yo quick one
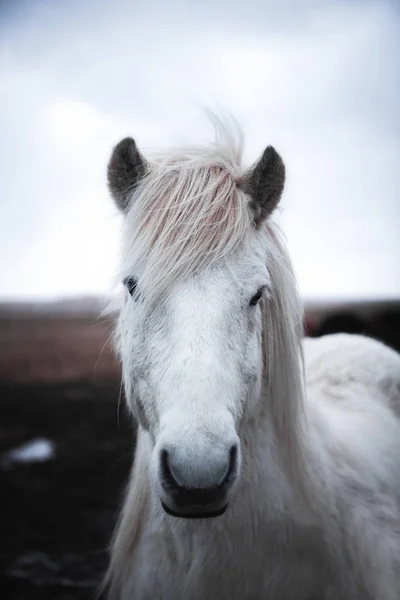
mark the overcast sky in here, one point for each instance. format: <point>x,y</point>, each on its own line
<point>317,79</point>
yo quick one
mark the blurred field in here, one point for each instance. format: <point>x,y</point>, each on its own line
<point>59,381</point>
<point>56,342</point>
<point>56,349</point>
<point>57,516</point>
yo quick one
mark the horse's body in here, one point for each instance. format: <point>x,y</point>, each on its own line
<point>314,507</point>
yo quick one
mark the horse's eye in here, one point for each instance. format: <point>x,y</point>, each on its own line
<point>131,284</point>
<point>257,297</point>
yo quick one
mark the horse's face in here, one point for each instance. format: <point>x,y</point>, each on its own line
<point>192,365</point>
<point>192,369</point>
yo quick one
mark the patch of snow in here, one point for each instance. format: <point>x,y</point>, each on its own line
<point>37,450</point>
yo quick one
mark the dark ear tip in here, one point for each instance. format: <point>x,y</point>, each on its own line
<point>272,160</point>
<point>271,155</point>
<point>126,143</point>
<point>127,140</point>
<point>126,149</point>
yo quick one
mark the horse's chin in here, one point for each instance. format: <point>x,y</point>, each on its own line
<point>201,514</point>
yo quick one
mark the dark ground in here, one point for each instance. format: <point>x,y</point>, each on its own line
<point>56,517</point>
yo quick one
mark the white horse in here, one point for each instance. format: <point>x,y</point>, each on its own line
<point>254,478</point>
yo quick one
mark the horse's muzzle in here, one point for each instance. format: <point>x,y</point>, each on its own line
<point>200,502</point>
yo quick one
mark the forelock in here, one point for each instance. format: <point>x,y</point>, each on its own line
<point>187,213</point>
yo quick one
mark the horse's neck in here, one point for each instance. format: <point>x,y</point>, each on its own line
<point>265,484</point>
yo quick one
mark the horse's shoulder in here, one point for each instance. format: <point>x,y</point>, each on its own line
<point>346,359</point>
<point>347,345</point>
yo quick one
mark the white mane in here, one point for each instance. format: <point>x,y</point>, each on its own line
<point>284,389</point>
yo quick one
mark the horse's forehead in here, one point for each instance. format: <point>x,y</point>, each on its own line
<point>218,284</point>
<point>161,214</point>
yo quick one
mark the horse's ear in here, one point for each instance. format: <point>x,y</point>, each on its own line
<point>264,183</point>
<point>125,168</point>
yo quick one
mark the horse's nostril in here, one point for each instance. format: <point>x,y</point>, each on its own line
<point>168,479</point>
<point>232,469</point>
